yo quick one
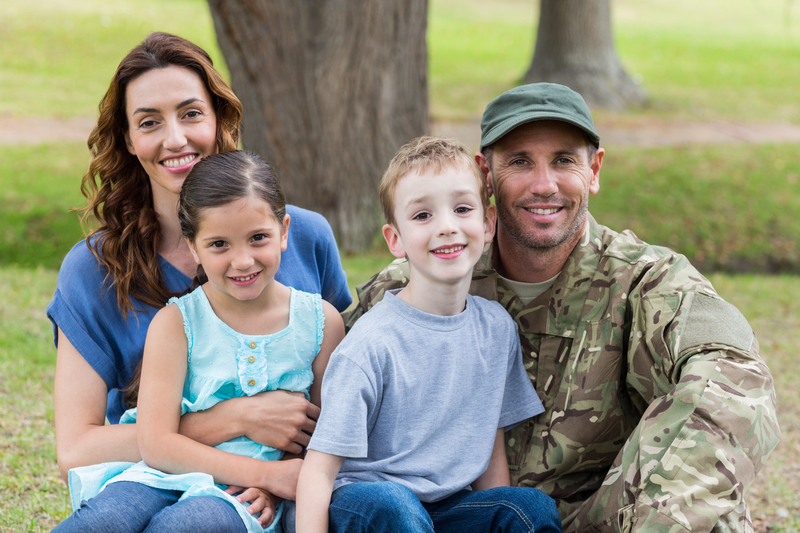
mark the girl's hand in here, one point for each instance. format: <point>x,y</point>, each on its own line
<point>260,501</point>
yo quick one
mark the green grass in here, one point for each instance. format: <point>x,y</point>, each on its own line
<point>33,498</point>
<point>58,57</point>
<point>39,185</point>
<point>719,59</point>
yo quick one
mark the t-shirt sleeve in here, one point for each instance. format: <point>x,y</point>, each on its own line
<point>520,400</point>
<point>349,396</point>
<point>85,309</point>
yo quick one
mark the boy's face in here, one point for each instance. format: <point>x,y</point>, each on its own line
<point>441,227</point>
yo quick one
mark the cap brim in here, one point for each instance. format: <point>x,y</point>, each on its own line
<point>506,126</point>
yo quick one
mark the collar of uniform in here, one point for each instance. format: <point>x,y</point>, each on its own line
<point>560,308</point>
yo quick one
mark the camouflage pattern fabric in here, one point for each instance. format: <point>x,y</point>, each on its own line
<point>659,411</point>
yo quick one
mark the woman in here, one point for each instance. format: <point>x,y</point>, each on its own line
<point>166,108</point>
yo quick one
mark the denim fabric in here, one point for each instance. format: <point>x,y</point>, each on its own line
<point>377,507</point>
<point>128,507</point>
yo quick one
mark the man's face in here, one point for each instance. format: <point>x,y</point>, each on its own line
<point>541,175</point>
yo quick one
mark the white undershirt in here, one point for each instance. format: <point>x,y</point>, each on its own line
<point>527,292</point>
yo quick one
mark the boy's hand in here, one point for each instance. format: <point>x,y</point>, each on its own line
<point>260,501</point>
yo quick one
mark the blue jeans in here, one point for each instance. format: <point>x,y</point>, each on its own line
<point>389,507</point>
<point>130,507</point>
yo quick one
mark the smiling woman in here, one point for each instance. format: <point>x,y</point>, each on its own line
<point>166,109</point>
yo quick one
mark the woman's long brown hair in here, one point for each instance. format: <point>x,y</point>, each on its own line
<point>120,209</point>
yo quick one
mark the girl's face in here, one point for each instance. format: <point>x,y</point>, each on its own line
<point>239,245</point>
<point>171,126</point>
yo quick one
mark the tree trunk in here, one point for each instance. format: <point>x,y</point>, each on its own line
<point>575,47</point>
<point>331,89</point>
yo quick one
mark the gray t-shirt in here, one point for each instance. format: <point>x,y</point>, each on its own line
<point>417,398</point>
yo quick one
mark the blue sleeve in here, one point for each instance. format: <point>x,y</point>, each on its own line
<point>311,262</point>
<point>85,307</point>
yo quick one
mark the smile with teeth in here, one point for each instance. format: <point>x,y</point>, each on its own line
<point>245,278</point>
<point>179,162</point>
<point>548,211</point>
<point>449,250</point>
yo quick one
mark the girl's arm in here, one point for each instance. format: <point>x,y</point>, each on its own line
<point>82,438</point>
<point>314,489</point>
<point>281,419</point>
<point>163,447</point>
<point>496,474</point>
<point>332,336</point>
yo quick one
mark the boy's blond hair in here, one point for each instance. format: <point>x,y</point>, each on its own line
<point>423,154</point>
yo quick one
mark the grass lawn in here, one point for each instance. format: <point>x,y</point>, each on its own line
<point>726,207</point>
<point>33,498</point>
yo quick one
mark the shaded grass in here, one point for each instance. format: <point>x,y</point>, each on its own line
<point>727,207</point>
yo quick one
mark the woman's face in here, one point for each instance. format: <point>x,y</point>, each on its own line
<point>171,126</point>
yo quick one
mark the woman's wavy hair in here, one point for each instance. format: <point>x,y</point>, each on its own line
<point>221,179</point>
<point>120,209</point>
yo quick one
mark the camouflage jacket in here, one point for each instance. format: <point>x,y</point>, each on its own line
<point>658,410</point>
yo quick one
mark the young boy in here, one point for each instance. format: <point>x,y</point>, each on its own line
<point>415,399</point>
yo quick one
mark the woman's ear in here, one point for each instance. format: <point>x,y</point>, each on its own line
<point>392,237</point>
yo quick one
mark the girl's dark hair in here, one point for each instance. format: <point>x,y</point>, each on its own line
<point>215,181</point>
<point>120,200</point>
<point>221,179</point>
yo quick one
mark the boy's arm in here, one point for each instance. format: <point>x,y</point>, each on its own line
<point>496,474</point>
<point>314,489</point>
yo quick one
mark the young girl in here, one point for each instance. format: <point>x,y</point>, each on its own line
<point>239,333</point>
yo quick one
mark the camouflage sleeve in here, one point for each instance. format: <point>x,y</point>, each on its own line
<point>394,276</point>
<point>709,420</point>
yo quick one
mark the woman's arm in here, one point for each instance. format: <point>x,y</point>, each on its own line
<point>163,447</point>
<point>496,474</point>
<point>82,438</point>
<point>332,336</point>
<point>314,489</point>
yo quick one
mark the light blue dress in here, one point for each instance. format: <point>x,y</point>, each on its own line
<point>223,364</point>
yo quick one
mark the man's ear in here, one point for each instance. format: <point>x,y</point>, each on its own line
<point>285,232</point>
<point>193,250</point>
<point>392,237</point>
<point>489,223</point>
<point>596,163</point>
<point>483,163</point>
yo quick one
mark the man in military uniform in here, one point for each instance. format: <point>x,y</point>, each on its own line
<point>659,411</point>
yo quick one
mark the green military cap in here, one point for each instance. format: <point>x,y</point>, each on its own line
<point>536,101</point>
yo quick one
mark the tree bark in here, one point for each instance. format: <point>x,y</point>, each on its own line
<point>331,89</point>
<point>575,47</point>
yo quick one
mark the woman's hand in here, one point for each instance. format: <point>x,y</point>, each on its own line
<point>260,501</point>
<point>280,419</point>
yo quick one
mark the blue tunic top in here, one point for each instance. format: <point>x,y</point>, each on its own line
<point>87,311</point>
<point>223,364</point>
